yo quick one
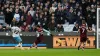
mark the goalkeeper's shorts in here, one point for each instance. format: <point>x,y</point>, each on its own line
<point>18,39</point>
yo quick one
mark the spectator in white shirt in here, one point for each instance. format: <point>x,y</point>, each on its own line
<point>17,15</point>
<point>32,12</point>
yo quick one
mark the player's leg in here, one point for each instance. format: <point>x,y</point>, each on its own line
<point>34,44</point>
<point>84,43</point>
<point>21,46</point>
<point>17,46</point>
<point>19,40</point>
<point>15,38</point>
<point>79,45</point>
<point>83,46</point>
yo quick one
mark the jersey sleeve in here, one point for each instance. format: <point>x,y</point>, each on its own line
<point>19,29</point>
<point>46,30</point>
<point>37,33</point>
<point>12,29</point>
<point>48,33</point>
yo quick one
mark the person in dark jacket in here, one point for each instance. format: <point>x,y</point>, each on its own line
<point>76,27</point>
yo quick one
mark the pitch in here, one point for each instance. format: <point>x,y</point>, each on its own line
<point>50,52</point>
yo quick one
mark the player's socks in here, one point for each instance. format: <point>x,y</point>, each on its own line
<point>83,48</point>
<point>31,46</point>
<point>78,47</point>
<point>35,46</point>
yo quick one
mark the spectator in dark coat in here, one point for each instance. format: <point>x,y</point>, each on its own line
<point>60,28</point>
<point>89,21</point>
<point>1,28</point>
<point>22,20</point>
<point>52,25</point>
<point>8,16</point>
<point>76,27</point>
<point>14,22</point>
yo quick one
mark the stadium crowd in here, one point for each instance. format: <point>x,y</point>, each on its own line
<point>50,14</point>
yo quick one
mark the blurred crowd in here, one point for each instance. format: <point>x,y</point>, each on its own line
<point>50,14</point>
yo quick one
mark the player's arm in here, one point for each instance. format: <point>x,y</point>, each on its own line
<point>48,32</point>
<point>12,29</point>
<point>19,30</point>
<point>78,30</point>
<point>37,33</point>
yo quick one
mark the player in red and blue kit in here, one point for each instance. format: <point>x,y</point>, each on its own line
<point>83,36</point>
<point>40,36</point>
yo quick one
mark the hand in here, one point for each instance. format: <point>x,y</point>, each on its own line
<point>51,35</point>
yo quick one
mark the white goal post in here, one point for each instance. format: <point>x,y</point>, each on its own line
<point>98,29</point>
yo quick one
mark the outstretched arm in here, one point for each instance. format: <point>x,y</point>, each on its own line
<point>37,33</point>
<point>46,31</point>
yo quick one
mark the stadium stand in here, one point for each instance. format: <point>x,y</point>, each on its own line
<point>48,13</point>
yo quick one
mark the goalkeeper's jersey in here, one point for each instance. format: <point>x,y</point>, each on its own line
<point>16,31</point>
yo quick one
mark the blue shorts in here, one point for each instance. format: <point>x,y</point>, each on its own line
<point>18,39</point>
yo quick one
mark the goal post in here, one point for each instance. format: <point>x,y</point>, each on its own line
<point>98,29</point>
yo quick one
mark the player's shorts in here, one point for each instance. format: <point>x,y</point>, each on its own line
<point>39,39</point>
<point>18,39</point>
<point>83,39</point>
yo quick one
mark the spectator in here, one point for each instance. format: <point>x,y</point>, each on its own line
<point>17,15</point>
<point>23,27</point>
<point>89,21</point>
<point>90,29</point>
<point>53,7</point>
<point>98,4</point>
<point>32,12</point>
<point>36,18</point>
<point>52,25</point>
<point>22,20</point>
<point>45,23</point>
<point>14,22</point>
<point>71,16</point>
<point>71,11</point>
<point>93,12</point>
<point>7,28</point>
<point>76,27</point>
<point>8,16</point>
<point>28,28</point>
<point>29,19</point>
<point>33,29</point>
<point>79,21</point>
<point>1,28</point>
<point>60,28</point>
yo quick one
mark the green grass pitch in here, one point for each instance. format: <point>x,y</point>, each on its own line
<point>50,52</point>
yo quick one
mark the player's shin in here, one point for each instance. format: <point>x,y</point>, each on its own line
<point>79,46</point>
<point>35,45</point>
<point>83,46</point>
<point>21,46</point>
<point>17,46</point>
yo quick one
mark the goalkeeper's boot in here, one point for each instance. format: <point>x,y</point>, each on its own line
<point>22,48</point>
<point>15,47</point>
